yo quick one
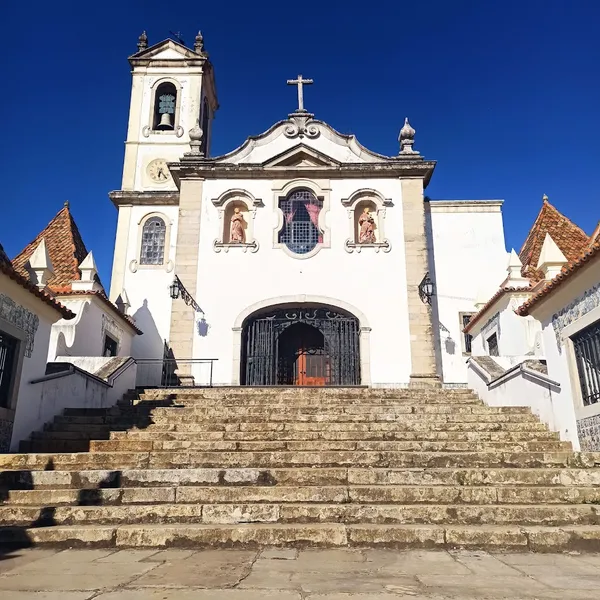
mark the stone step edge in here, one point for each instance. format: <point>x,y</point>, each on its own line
<point>263,477</point>
<point>512,538</point>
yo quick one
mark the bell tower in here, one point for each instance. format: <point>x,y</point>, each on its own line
<point>173,89</point>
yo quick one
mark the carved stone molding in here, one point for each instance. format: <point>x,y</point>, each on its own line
<point>110,327</point>
<point>491,323</point>
<point>582,305</point>
<point>301,124</point>
<point>244,247</point>
<point>350,246</point>
<point>21,318</point>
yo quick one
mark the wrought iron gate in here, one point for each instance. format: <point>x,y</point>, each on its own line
<point>261,364</point>
<point>586,344</point>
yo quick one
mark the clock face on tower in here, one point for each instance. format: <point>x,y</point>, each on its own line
<point>158,171</point>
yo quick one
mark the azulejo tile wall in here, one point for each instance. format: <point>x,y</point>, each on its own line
<point>588,430</point>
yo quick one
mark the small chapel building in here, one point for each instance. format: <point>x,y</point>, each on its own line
<point>299,258</point>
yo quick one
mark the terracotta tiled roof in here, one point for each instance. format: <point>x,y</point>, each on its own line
<point>105,299</point>
<point>504,290</point>
<point>65,247</point>
<point>571,240</point>
<point>24,282</point>
<point>567,272</point>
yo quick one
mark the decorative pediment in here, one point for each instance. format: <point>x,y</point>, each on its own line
<point>301,156</point>
<point>165,50</point>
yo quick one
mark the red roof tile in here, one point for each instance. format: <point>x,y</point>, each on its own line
<point>65,247</point>
<point>571,239</point>
<point>567,272</point>
<point>24,282</point>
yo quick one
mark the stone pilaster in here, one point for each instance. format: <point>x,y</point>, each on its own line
<point>186,267</point>
<point>422,349</point>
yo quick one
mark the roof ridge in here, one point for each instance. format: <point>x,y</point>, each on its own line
<point>568,236</point>
<point>65,247</point>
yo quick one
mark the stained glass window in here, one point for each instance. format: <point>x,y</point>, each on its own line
<point>153,242</point>
<point>300,232</point>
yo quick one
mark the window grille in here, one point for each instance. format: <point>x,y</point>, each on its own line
<point>300,232</point>
<point>467,337</point>
<point>153,242</point>
<point>492,342</point>
<point>586,344</point>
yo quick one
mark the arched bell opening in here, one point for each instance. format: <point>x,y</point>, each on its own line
<point>293,345</point>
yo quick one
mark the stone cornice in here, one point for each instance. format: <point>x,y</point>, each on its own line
<point>209,169</point>
<point>149,198</point>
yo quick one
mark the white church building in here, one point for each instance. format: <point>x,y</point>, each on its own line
<point>304,257</point>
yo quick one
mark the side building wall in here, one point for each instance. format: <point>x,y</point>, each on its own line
<point>467,258</point>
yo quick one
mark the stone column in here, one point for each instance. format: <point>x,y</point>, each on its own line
<point>186,267</point>
<point>422,349</point>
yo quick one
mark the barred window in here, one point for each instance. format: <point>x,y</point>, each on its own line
<point>300,232</point>
<point>467,337</point>
<point>492,342</point>
<point>153,242</point>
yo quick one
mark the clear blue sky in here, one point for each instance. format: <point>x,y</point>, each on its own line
<point>504,95</point>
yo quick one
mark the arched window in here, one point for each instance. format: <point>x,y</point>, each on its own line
<point>205,126</point>
<point>165,102</point>
<point>300,232</point>
<point>153,242</point>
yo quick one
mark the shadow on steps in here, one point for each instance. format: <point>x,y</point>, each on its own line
<point>75,428</point>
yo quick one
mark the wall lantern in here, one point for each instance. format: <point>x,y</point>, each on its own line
<point>174,289</point>
<point>426,289</point>
<point>177,289</point>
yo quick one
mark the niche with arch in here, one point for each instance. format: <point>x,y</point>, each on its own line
<point>164,109</point>
<point>367,230</point>
<point>236,211</point>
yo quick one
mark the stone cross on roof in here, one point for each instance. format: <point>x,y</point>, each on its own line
<point>300,83</point>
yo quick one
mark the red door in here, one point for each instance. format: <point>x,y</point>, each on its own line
<point>311,368</point>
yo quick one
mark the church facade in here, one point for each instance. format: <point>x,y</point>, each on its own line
<point>310,259</point>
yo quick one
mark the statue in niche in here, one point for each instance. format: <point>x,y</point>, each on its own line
<point>237,234</point>
<point>366,222</point>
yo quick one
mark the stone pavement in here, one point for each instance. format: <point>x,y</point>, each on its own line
<point>288,574</point>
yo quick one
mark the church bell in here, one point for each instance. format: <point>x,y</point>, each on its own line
<point>165,121</point>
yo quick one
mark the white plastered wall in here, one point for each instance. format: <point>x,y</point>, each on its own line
<point>33,366</point>
<point>374,283</point>
<point>558,347</point>
<point>467,252</point>
<point>84,335</point>
<point>147,286</point>
<point>517,336</point>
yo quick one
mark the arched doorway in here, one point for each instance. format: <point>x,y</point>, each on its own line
<point>300,346</point>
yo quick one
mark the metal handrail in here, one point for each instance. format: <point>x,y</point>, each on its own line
<point>174,372</point>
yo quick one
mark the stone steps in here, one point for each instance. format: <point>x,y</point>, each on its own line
<point>228,514</point>
<point>363,494</point>
<point>487,537</point>
<point>224,459</point>
<point>127,478</point>
<point>413,426</point>
<point>301,466</point>
<point>356,436</point>
<point>320,445</point>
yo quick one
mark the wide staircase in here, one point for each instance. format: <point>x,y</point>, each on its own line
<point>301,466</point>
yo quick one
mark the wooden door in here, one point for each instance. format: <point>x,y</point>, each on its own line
<point>311,368</point>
